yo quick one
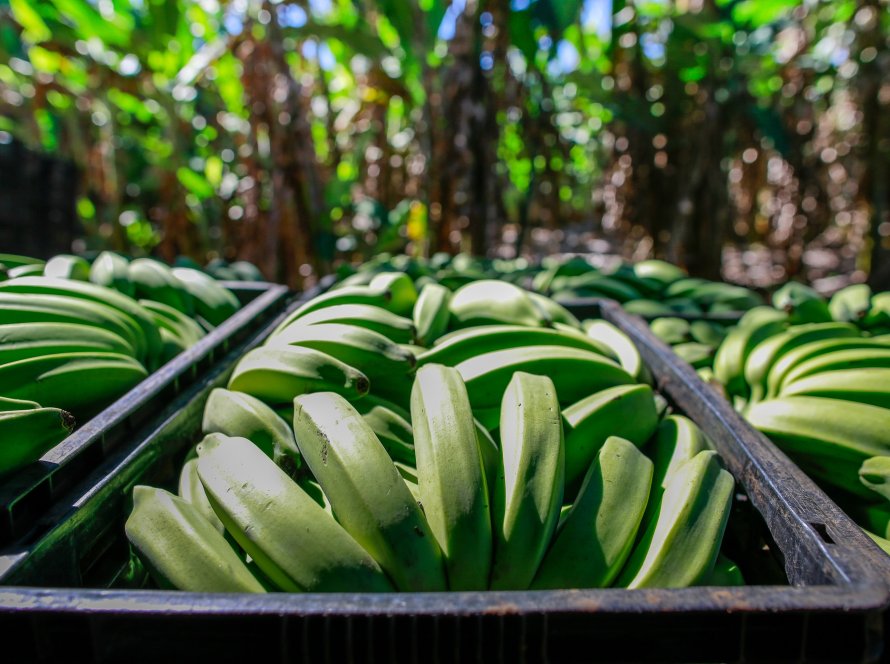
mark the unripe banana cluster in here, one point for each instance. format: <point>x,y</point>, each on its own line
<point>814,375</point>
<point>75,336</point>
<point>385,439</point>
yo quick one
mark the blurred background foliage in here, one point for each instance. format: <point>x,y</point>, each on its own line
<point>748,139</point>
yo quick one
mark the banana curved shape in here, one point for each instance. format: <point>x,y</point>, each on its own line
<point>276,375</point>
<point>111,271</point>
<point>597,535</point>
<point>153,280</point>
<point>81,383</point>
<point>473,341</point>
<point>850,304</point>
<point>878,313</point>
<point>24,308</point>
<point>367,494</point>
<point>698,355</point>
<point>802,304</point>
<point>607,286</point>
<point>212,301</point>
<point>7,405</point>
<point>554,311</point>
<point>400,285</point>
<point>431,314</point>
<point>19,341</point>
<point>575,372</point>
<point>528,493</point>
<point>192,491</point>
<point>491,454</point>
<point>28,433</point>
<point>875,474</point>
<point>492,302</point>
<point>392,428</point>
<point>875,357</point>
<point>385,298</point>
<point>134,317</point>
<point>662,271</point>
<point>765,354</point>
<point>671,330</point>
<point>292,539</point>
<point>622,347</point>
<point>681,545</point>
<point>867,386</point>
<point>627,411</point>
<point>181,548</point>
<point>790,360</point>
<point>186,328</point>
<point>242,415</point>
<point>397,329</point>
<point>451,475</point>
<point>829,438</point>
<point>31,270</point>
<point>880,541</point>
<point>754,326</point>
<point>370,352</point>
<point>67,266</point>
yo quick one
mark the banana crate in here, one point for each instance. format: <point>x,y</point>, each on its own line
<point>816,584</point>
<point>28,494</point>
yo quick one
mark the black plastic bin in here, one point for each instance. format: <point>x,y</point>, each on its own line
<point>826,607</point>
<point>30,491</point>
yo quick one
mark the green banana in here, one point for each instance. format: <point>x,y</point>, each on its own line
<point>801,303</point>
<point>111,270</point>
<point>192,491</point>
<point>528,493</point>
<point>623,348</point>
<point>384,363</point>
<point>790,360</point>
<point>397,329</point>
<point>25,308</point>
<point>829,438</point>
<point>671,330</point>
<point>399,284</point>
<point>866,386</point>
<point>680,546</point>
<point>725,573</point>
<point>659,270</point>
<point>596,536</point>
<point>347,295</point>
<point>19,341</point>
<point>153,280</point>
<point>28,433</point>
<point>880,541</point>
<point>7,405</point>
<point>850,304</point>
<point>491,454</point>
<point>875,474</point>
<point>67,266</point>
<point>181,548</point>
<point>391,425</point>
<point>367,494</point>
<point>212,301</point>
<point>147,342</point>
<point>878,313</point>
<point>431,313</point>
<point>762,358</point>
<point>610,288</point>
<point>696,354</point>
<point>754,326</point>
<point>294,541</point>
<point>647,308</point>
<point>491,302</point>
<point>25,271</point>
<point>706,332</point>
<point>473,341</point>
<point>276,375</point>
<point>451,476</point>
<point>875,357</point>
<point>627,411</point>
<point>176,322</point>
<point>81,383</point>
<point>242,415</point>
<point>554,311</point>
<point>575,372</point>
<point>15,260</point>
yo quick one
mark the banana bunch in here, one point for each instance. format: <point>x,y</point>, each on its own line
<point>814,376</point>
<point>385,438</point>
<point>74,337</point>
<point>695,341</point>
<point>578,497</point>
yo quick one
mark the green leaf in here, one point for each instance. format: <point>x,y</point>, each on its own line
<point>26,16</point>
<point>194,182</point>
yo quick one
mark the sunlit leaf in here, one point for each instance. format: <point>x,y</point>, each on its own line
<point>27,17</point>
<point>194,182</point>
